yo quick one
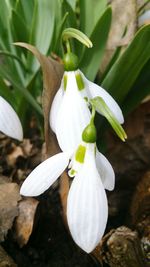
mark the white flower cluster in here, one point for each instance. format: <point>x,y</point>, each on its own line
<point>87,208</point>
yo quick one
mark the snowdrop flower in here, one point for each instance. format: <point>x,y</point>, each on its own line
<point>70,113</point>
<point>9,121</point>
<point>87,208</point>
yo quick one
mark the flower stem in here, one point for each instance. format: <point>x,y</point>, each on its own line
<point>93,114</point>
<point>68,47</point>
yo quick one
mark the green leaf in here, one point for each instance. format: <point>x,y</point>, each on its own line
<point>25,9</point>
<point>10,63</point>
<point>5,32</point>
<point>6,39</point>
<point>68,20</point>
<point>91,59</point>
<point>6,92</point>
<point>90,13</point>
<point>115,56</point>
<point>139,90</point>
<point>126,69</point>
<point>10,3</point>
<point>100,105</point>
<point>72,3</point>
<point>80,36</point>
<point>9,54</point>
<point>6,73</point>
<point>41,29</point>
<point>56,45</point>
<point>19,28</point>
<point>71,18</point>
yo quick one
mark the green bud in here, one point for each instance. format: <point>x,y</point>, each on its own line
<point>71,61</point>
<point>89,134</point>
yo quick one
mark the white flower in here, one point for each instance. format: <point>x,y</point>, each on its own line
<point>70,113</point>
<point>9,121</point>
<point>87,208</point>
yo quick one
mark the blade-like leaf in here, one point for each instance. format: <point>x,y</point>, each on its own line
<point>19,28</point>
<point>71,18</point>
<point>5,32</point>
<point>139,90</point>
<point>115,56</point>
<point>90,13</point>
<point>7,93</point>
<point>25,9</point>
<point>68,20</point>
<point>91,59</point>
<point>41,29</point>
<point>6,38</point>
<point>100,105</point>
<point>6,73</point>
<point>72,3</point>
<point>126,69</point>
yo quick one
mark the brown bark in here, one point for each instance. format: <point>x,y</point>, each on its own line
<point>140,212</point>
<point>121,248</point>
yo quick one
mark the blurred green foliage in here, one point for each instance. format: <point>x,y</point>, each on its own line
<point>41,22</point>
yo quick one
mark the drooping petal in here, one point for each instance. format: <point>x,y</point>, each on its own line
<point>106,171</point>
<point>87,208</point>
<point>55,108</point>
<point>93,90</point>
<point>44,175</point>
<point>9,121</point>
<point>73,116</point>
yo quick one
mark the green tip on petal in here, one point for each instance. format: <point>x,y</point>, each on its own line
<point>79,81</point>
<point>89,134</point>
<point>80,154</point>
<point>71,61</point>
<point>65,82</point>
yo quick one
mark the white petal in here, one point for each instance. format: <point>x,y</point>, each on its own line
<point>44,175</point>
<point>87,208</point>
<point>55,107</point>
<point>73,116</point>
<point>9,121</point>
<point>94,90</point>
<point>106,171</point>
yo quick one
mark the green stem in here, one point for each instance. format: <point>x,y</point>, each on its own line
<point>68,47</point>
<point>93,114</point>
<point>8,54</point>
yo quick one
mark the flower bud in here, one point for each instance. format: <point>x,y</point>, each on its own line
<point>71,61</point>
<point>89,134</point>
